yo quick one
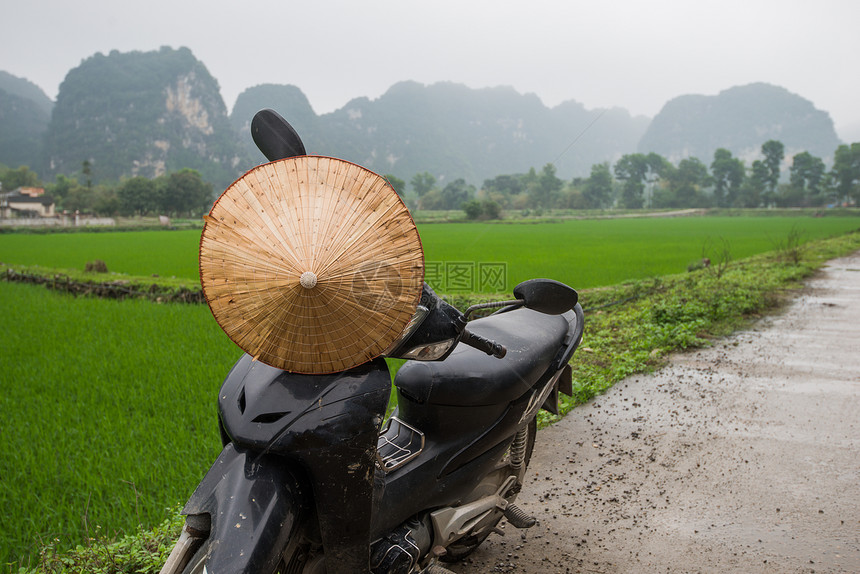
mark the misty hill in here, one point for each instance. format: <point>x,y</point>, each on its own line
<point>24,114</point>
<point>739,119</point>
<point>147,113</point>
<point>451,131</point>
<point>26,89</point>
<point>142,113</point>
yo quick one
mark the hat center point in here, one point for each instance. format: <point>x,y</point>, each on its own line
<point>308,280</point>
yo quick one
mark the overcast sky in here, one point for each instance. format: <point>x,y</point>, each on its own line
<point>635,54</point>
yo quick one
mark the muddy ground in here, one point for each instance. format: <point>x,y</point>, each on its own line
<point>743,457</point>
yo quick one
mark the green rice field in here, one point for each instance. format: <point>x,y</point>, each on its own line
<point>108,407</point>
<point>108,413</point>
<point>593,253</point>
<point>582,253</point>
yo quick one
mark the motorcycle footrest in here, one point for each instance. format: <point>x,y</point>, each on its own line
<point>517,517</point>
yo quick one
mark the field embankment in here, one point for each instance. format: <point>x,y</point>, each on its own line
<point>91,285</point>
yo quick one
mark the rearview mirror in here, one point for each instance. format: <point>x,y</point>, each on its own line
<point>546,296</point>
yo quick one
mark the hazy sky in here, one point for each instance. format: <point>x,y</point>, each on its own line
<point>635,54</point>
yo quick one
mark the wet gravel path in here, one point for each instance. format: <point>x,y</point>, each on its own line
<point>744,457</point>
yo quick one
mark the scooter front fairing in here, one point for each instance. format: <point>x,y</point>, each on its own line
<point>251,504</point>
<point>325,426</point>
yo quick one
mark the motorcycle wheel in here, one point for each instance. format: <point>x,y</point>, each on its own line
<point>465,546</point>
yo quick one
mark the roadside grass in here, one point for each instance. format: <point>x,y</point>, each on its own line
<point>630,328</point>
<point>142,552</point>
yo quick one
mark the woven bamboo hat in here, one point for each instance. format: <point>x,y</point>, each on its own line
<point>311,264</point>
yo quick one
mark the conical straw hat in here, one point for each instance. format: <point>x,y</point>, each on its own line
<point>311,264</point>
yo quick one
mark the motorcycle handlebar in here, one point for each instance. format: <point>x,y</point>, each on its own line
<point>483,344</point>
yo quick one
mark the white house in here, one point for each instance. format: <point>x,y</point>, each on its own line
<point>26,202</point>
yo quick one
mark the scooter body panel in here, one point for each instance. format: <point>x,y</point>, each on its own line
<point>254,504</point>
<point>326,424</point>
<point>467,440</point>
<point>274,411</point>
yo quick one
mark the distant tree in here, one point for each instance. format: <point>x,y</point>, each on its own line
<point>422,183</point>
<point>546,188</point>
<point>503,189</point>
<point>728,175</point>
<point>71,195</point>
<point>846,171</point>
<point>482,209</point>
<point>773,152</point>
<point>636,170</point>
<point>87,171</point>
<point>472,209</point>
<point>456,193</point>
<point>806,175</point>
<point>571,196</point>
<point>62,186</point>
<point>789,196</point>
<point>530,184</point>
<point>658,169</point>
<point>137,196</point>
<point>104,200</point>
<point>80,198</point>
<point>755,185</point>
<point>183,193</point>
<point>432,200</point>
<point>598,187</point>
<point>21,177</point>
<point>398,184</point>
<point>529,179</point>
<point>506,185</point>
<point>685,184</point>
<point>452,196</point>
<point>631,170</point>
<point>490,209</point>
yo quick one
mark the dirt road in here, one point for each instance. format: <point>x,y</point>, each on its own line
<point>744,457</point>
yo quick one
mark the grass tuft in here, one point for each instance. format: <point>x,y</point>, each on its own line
<point>142,552</point>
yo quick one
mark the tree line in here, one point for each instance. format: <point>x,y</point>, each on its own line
<point>635,181</point>
<point>639,180</point>
<point>179,194</point>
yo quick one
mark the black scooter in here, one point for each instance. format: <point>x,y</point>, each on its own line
<point>309,482</point>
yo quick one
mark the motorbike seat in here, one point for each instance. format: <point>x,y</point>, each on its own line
<point>469,377</point>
